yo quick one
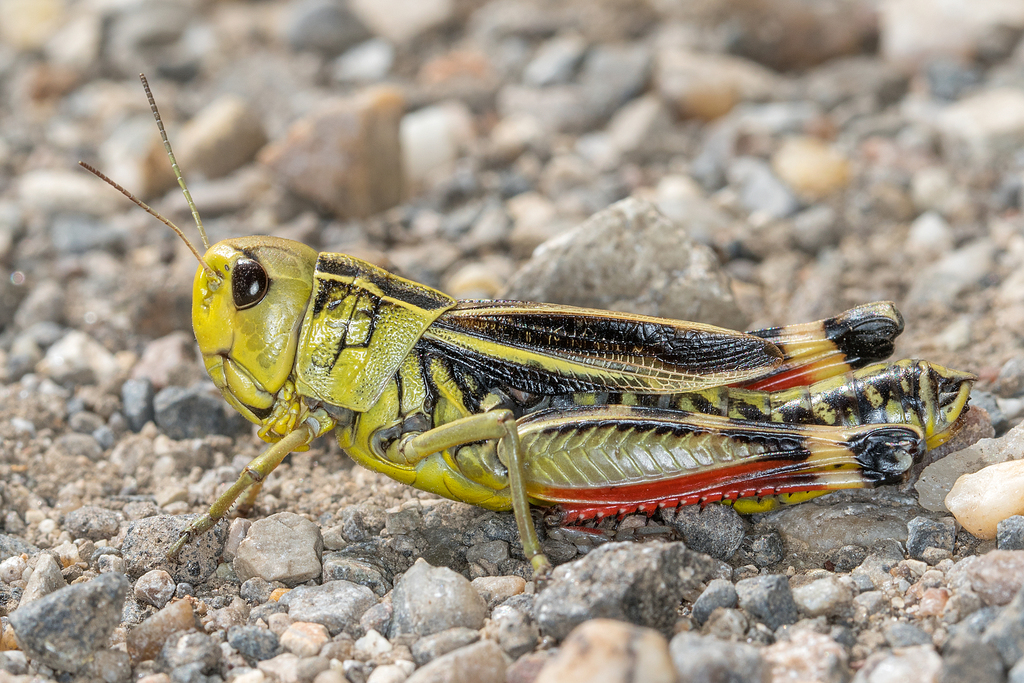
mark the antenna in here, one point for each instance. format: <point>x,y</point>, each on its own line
<point>145,207</point>
<point>181,182</point>
<point>174,162</point>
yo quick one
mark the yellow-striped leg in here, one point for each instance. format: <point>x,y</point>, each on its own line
<point>500,425</point>
<point>253,475</point>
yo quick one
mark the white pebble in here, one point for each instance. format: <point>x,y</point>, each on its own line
<point>12,568</point>
<point>981,500</point>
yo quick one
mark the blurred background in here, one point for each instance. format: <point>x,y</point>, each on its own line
<point>828,153</point>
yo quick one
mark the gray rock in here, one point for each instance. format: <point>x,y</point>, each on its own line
<point>147,542</point>
<point>845,518</point>
<point>338,605</point>
<point>429,648</point>
<point>196,649</point>
<point>194,413</point>
<point>719,593</point>
<point>629,257</point>
<point>610,650</point>
<point>284,547</point>
<point>517,633</point>
<point>706,659</point>
<point>768,599</point>
<point>716,530</point>
<point>640,584</point>
<point>253,642</point>
<point>63,629</point>
<point>325,26</point>
<point>555,60</point>
<point>904,634</point>
<point>79,233</point>
<point>760,190</point>
<point>377,618</point>
<point>482,662</point>
<point>92,522</point>
<point>11,546</point>
<point>925,533</point>
<point>338,565</point>
<point>1006,632</point>
<point>966,657</point>
<point>256,590</point>
<point>361,522</point>
<point>46,578</point>
<point>1010,381</point>
<point>1010,533</point>
<point>429,599</point>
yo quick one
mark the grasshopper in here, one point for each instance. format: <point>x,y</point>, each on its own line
<point>505,404</point>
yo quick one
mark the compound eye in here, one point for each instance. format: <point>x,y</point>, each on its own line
<point>249,283</point>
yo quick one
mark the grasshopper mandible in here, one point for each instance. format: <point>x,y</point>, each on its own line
<point>505,404</point>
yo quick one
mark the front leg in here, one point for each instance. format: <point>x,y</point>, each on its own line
<point>253,475</point>
<point>496,424</point>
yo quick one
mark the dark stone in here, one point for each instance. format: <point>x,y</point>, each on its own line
<point>768,599</point>
<point>719,593</point>
<point>767,549</point>
<point>253,642</point>
<point>137,403</point>
<point>925,533</point>
<point>903,634</point>
<point>847,558</point>
<point>147,542</point>
<point>1010,533</point>
<point>63,629</point>
<point>325,26</point>
<point>716,530</point>
<point>92,522</point>
<point>706,658</point>
<point>194,413</point>
<point>12,545</point>
<point>966,657</point>
<point>638,583</point>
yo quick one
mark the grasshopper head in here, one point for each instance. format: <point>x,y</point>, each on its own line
<point>248,301</point>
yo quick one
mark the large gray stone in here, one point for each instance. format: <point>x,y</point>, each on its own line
<point>638,583</point>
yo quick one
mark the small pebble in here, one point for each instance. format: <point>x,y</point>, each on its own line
<point>823,597</point>
<point>705,658</point>
<point>719,593</point>
<point>155,587</point>
<point>338,605</point>
<point>609,650</point>
<point>304,638</point>
<point>254,643</point>
<point>284,547</point>
<point>429,599</point>
<point>146,640</point>
<point>429,648</point>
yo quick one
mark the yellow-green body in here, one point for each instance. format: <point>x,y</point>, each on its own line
<point>498,404</point>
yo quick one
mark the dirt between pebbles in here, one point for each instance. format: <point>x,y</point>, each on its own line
<point>763,177</point>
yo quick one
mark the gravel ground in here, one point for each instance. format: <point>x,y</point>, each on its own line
<point>742,162</point>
